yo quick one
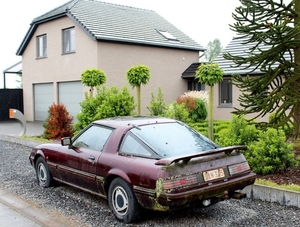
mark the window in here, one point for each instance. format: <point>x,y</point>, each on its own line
<point>168,35</point>
<point>132,146</point>
<point>41,50</point>
<point>68,40</point>
<point>195,86</point>
<point>225,92</point>
<point>93,138</point>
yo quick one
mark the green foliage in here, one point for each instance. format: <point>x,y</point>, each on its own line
<point>58,123</point>
<point>136,76</point>
<point>271,29</point>
<point>271,152</point>
<point>240,132</point>
<point>115,103</point>
<point>200,112</point>
<point>177,111</point>
<point>93,77</point>
<point>109,102</point>
<point>213,49</point>
<point>209,73</point>
<point>157,104</point>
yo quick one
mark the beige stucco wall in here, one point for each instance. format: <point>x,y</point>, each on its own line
<point>224,112</point>
<point>166,65</point>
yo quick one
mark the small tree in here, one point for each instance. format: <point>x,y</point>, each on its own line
<point>58,123</point>
<point>213,49</point>
<point>136,76</point>
<point>157,104</point>
<point>210,74</point>
<point>93,78</point>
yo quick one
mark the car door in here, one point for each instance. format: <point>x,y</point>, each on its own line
<point>89,146</point>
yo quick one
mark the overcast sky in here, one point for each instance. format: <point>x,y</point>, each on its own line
<point>202,20</point>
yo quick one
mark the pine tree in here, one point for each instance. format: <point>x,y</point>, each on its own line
<point>275,25</point>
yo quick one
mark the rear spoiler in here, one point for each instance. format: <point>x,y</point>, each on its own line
<point>186,159</point>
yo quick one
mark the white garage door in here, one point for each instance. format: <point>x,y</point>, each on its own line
<point>70,94</point>
<point>43,99</point>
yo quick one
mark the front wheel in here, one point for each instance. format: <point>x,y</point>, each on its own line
<point>43,174</point>
<point>122,201</point>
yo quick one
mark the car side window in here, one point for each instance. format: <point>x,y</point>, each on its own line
<point>93,138</point>
<point>133,146</point>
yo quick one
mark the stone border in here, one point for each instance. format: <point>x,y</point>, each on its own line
<point>272,194</point>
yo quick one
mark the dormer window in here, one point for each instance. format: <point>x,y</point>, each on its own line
<point>168,35</point>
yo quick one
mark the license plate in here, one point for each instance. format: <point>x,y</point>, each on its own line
<point>213,174</point>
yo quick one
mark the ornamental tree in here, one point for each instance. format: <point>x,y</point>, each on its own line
<point>210,74</point>
<point>136,76</point>
<point>93,78</point>
<point>275,25</point>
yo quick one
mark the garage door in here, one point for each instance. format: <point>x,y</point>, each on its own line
<point>70,94</point>
<point>43,99</point>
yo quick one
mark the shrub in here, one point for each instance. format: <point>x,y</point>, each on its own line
<point>115,103</point>
<point>177,111</point>
<point>58,123</point>
<point>108,102</point>
<point>271,152</point>
<point>157,105</point>
<point>240,132</point>
<point>200,112</point>
<point>188,101</point>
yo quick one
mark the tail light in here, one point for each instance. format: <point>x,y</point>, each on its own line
<point>179,182</point>
<point>238,168</point>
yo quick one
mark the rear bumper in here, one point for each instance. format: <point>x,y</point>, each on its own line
<point>223,189</point>
<point>217,191</point>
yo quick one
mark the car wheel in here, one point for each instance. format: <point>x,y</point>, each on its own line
<point>122,201</point>
<point>43,174</point>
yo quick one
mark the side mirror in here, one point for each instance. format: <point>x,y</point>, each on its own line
<point>66,141</point>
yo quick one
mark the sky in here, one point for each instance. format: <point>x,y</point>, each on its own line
<point>201,20</point>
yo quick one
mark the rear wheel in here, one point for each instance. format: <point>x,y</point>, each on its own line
<point>122,201</point>
<point>43,174</point>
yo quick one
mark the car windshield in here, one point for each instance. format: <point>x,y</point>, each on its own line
<point>173,139</point>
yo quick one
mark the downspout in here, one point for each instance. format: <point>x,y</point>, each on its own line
<point>4,81</point>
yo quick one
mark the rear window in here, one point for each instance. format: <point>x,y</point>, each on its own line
<point>172,139</point>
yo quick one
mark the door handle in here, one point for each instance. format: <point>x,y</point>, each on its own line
<point>91,158</point>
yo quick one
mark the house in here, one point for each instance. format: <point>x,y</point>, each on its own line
<point>225,94</point>
<point>83,34</point>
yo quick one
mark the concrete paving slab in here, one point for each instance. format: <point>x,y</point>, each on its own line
<point>16,212</point>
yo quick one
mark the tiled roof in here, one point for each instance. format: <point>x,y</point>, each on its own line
<point>112,22</point>
<point>237,48</point>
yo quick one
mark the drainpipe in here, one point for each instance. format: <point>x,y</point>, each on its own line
<point>4,82</point>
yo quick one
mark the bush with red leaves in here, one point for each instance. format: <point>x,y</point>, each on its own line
<point>189,102</point>
<point>58,123</point>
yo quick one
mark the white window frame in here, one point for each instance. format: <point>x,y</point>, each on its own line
<point>41,43</point>
<point>68,40</point>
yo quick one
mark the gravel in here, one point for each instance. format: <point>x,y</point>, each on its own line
<point>76,208</point>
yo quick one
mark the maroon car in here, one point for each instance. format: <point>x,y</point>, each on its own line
<point>144,162</point>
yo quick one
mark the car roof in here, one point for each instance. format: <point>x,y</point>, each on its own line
<point>131,121</point>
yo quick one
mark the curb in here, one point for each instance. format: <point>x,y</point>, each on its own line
<point>34,214</point>
<point>19,140</point>
<point>271,194</point>
<point>256,191</point>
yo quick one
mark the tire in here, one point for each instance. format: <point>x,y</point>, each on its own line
<point>44,177</point>
<point>122,201</point>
